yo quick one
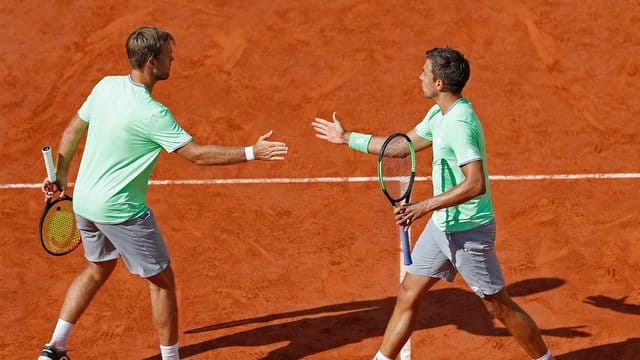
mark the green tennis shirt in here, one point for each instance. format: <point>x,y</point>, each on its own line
<point>127,131</point>
<point>457,139</point>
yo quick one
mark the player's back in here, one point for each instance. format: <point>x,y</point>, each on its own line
<point>120,150</point>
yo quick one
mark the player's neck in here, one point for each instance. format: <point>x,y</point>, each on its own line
<point>446,101</point>
<point>143,77</point>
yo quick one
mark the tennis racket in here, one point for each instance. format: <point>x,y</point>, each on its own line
<point>396,173</point>
<point>59,234</point>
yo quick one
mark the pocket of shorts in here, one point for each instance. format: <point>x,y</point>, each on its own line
<point>142,218</point>
<point>478,246</point>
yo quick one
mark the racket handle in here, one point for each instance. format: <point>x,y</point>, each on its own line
<point>48,163</point>
<point>406,245</point>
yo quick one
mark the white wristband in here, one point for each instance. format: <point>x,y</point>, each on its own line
<point>248,153</point>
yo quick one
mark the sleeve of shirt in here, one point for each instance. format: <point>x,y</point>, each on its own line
<point>85,110</point>
<point>165,131</point>
<point>464,142</point>
<point>423,129</point>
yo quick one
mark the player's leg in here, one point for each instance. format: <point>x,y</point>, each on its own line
<point>102,258</point>
<point>164,306</point>
<point>79,296</point>
<point>83,289</point>
<point>148,257</point>
<point>477,262</point>
<point>402,320</point>
<point>519,323</point>
<point>430,264</point>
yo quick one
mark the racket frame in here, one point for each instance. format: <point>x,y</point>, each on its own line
<point>404,232</point>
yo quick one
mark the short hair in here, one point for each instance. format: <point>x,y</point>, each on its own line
<point>450,66</point>
<point>144,43</point>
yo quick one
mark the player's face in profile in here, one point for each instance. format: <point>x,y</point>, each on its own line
<point>163,62</point>
<point>428,82</point>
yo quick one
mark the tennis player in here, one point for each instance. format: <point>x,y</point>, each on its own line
<point>459,237</point>
<point>127,129</point>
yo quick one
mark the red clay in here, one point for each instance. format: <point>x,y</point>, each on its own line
<point>291,271</point>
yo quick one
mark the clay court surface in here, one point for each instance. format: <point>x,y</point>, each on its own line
<point>310,270</point>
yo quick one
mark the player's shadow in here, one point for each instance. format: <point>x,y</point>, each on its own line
<point>618,305</point>
<point>624,350</point>
<point>311,331</point>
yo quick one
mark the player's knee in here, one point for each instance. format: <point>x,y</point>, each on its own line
<point>407,296</point>
<point>164,280</point>
<point>500,305</point>
<point>497,310</point>
<point>100,271</point>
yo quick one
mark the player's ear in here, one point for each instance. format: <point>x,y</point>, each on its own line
<point>151,61</point>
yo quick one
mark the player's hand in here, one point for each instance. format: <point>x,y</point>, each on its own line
<point>50,189</point>
<point>269,150</point>
<point>406,214</point>
<point>332,132</point>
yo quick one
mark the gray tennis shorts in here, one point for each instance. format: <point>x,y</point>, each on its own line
<point>138,241</point>
<point>471,253</point>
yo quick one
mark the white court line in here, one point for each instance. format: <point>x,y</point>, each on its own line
<point>353,179</point>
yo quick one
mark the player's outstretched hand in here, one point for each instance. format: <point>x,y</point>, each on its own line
<point>332,132</point>
<point>269,150</point>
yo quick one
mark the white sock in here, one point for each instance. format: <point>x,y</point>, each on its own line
<point>61,334</point>
<point>380,356</point>
<point>546,356</point>
<point>169,352</point>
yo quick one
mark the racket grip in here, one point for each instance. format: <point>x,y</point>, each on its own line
<point>406,245</point>
<point>48,163</point>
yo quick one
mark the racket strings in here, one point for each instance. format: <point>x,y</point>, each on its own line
<point>59,231</point>
<point>396,167</point>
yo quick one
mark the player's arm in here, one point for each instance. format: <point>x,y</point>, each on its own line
<point>472,186</point>
<point>419,143</point>
<point>67,147</point>
<point>375,145</point>
<point>334,132</point>
<point>223,155</point>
